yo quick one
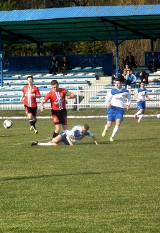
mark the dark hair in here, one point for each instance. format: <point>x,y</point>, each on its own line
<point>118,79</point>
<point>30,76</point>
<point>86,126</point>
<point>54,82</point>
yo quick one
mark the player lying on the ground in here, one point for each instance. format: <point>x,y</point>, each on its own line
<point>69,137</point>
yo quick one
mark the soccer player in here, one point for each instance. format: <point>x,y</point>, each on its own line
<point>69,137</point>
<point>29,95</point>
<point>57,97</point>
<point>115,101</point>
<point>141,95</point>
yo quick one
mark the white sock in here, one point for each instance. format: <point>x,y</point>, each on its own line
<point>138,113</point>
<point>45,144</point>
<point>140,117</point>
<point>115,130</point>
<point>106,128</point>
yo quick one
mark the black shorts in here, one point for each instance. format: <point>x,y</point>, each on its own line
<point>59,116</point>
<point>32,110</point>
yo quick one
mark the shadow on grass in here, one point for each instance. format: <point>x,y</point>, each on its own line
<point>136,139</point>
<point>54,175</point>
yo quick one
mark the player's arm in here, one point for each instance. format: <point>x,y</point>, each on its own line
<point>89,133</point>
<point>108,99</point>
<point>69,140</point>
<point>148,98</point>
<point>37,94</point>
<point>42,105</point>
<point>70,95</point>
<point>44,100</point>
<point>95,140</point>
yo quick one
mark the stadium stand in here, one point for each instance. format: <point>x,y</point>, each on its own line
<point>90,90</point>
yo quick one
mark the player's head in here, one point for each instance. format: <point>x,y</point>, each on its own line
<point>55,85</point>
<point>30,79</point>
<point>142,84</point>
<point>118,83</point>
<point>84,128</point>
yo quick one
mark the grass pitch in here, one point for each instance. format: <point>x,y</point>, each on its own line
<point>110,188</point>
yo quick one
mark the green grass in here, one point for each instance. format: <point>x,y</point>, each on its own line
<point>109,188</point>
<point>82,112</point>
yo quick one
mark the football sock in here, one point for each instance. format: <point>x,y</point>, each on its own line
<point>45,144</point>
<point>138,113</point>
<point>140,117</point>
<point>55,134</point>
<point>115,130</point>
<point>106,128</point>
<point>32,123</point>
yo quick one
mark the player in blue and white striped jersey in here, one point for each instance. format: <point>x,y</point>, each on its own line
<point>115,101</point>
<point>70,137</point>
<point>141,96</point>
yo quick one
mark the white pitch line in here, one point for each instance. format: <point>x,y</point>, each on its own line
<point>75,117</point>
<point>40,140</point>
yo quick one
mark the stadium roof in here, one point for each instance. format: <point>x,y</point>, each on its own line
<point>95,23</point>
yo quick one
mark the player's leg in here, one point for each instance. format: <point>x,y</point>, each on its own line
<point>118,119</point>
<point>110,119</point>
<point>57,139</point>
<point>56,122</point>
<point>115,130</point>
<point>64,120</point>
<point>30,116</point>
<point>56,130</point>
<point>139,114</point>
<point>34,114</point>
<point>61,139</point>
<point>42,144</point>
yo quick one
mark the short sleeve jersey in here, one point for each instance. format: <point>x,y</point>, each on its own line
<point>57,98</point>
<point>117,97</point>
<point>141,94</point>
<point>75,134</point>
<point>29,95</point>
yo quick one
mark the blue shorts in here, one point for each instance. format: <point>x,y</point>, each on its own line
<point>115,113</point>
<point>64,139</point>
<point>141,105</point>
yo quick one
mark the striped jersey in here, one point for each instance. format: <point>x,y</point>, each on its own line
<point>57,98</point>
<point>30,93</point>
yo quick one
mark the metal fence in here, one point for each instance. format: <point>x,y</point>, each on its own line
<point>87,97</point>
<point>94,97</point>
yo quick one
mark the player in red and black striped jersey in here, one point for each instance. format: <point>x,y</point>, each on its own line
<point>29,95</point>
<point>57,97</point>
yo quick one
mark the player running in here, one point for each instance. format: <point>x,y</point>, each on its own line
<point>115,101</point>
<point>57,97</point>
<point>29,95</point>
<point>141,95</point>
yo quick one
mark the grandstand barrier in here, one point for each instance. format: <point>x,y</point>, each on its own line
<point>42,63</point>
<point>87,97</point>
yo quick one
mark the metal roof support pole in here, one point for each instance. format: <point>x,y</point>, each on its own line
<point>38,49</point>
<point>1,59</point>
<point>152,45</point>
<point>116,43</point>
